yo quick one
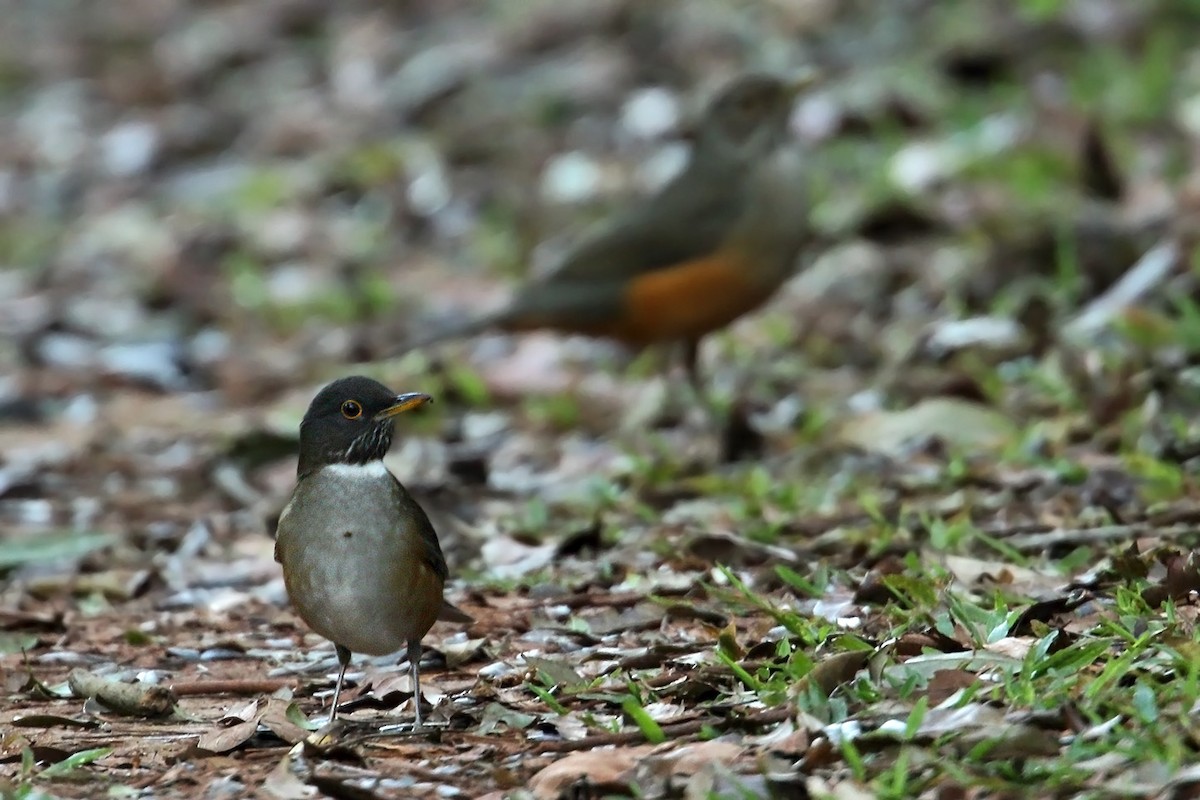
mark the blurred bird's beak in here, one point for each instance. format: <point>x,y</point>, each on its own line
<point>403,403</point>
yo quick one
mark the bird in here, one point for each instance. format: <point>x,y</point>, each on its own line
<point>361,561</point>
<point>712,244</point>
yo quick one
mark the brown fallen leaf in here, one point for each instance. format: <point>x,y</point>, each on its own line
<point>283,783</point>
<point>607,621</point>
<point>1177,577</point>
<point>973,572</point>
<point>914,643</point>
<point>222,740</point>
<point>601,771</point>
<point>692,757</point>
<point>1013,646</point>
<point>52,721</point>
<point>510,558</point>
<point>719,547</point>
<point>275,716</point>
<point>830,673</point>
<point>383,693</point>
<point>958,423</point>
<point>115,584</point>
<point>945,682</point>
<point>691,764</point>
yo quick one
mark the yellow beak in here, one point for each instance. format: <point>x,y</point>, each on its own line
<point>404,402</point>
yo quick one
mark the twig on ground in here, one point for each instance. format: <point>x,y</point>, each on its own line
<point>131,699</point>
<point>769,717</point>
<point>1102,533</point>
<point>233,686</point>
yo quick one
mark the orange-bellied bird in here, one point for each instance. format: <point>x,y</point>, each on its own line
<point>714,243</point>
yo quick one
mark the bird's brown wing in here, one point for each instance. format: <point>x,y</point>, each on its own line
<point>415,520</point>
<point>682,223</point>
<point>279,523</point>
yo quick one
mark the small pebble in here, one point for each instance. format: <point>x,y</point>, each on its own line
<point>209,346</point>
<point>29,511</point>
<point>129,148</point>
<point>82,409</point>
<point>156,363</point>
<point>571,178</point>
<point>429,190</point>
<point>150,677</point>
<point>227,786</point>
<point>650,113</point>
<point>185,653</point>
<point>496,670</point>
<point>66,351</point>
<point>221,654</point>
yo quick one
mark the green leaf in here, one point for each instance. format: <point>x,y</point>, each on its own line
<point>262,190</point>
<point>495,715</point>
<point>16,642</point>
<point>797,581</point>
<point>74,761</point>
<point>470,384</point>
<point>1041,10</point>
<point>51,547</point>
<point>137,638</point>
<point>1075,657</point>
<point>548,699</point>
<point>650,729</point>
<point>853,758</point>
<point>740,672</point>
<point>1145,703</point>
<point>294,715</point>
<point>916,717</point>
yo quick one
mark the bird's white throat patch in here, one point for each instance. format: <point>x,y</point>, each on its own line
<point>371,469</point>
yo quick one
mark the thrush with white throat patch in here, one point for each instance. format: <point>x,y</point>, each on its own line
<point>361,561</point>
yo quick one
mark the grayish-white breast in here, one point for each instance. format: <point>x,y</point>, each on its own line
<point>355,568</point>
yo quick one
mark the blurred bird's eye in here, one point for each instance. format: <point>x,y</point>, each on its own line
<point>351,409</point>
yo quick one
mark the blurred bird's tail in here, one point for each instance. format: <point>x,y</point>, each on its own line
<point>438,332</point>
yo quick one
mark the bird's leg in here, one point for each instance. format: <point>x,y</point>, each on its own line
<point>414,669</point>
<point>344,660</point>
<point>691,365</point>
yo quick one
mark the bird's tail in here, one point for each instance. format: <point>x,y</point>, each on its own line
<point>452,613</point>
<point>438,332</point>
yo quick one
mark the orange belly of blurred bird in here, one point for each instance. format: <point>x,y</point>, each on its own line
<point>682,302</point>
<point>686,301</point>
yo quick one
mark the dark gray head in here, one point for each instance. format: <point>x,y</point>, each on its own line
<point>350,422</point>
<point>748,118</point>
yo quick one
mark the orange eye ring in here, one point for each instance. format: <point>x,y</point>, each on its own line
<point>352,409</point>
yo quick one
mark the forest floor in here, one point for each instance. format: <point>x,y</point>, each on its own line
<point>936,540</point>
